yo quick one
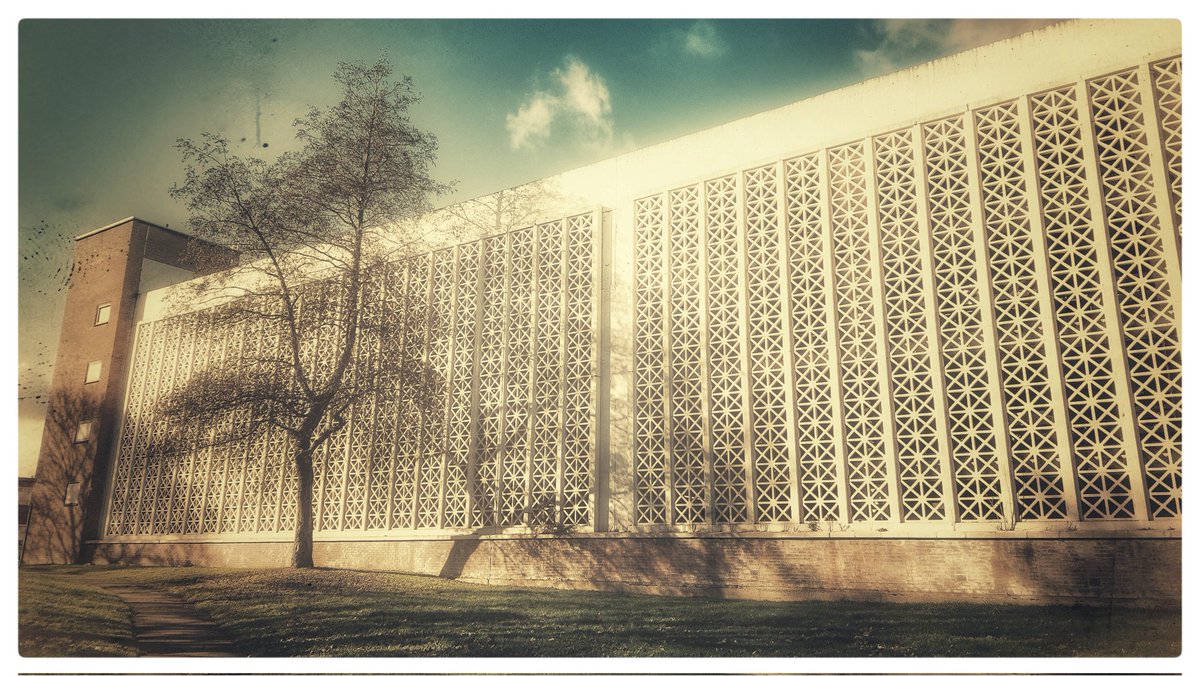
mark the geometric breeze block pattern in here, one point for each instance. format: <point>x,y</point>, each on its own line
<point>1143,272</point>
<point>975,318</point>
<point>869,446</point>
<point>766,348</point>
<point>727,407</point>
<point>1031,411</point>
<point>1086,333</point>
<point>505,327</point>
<point>650,432</point>
<point>908,335</point>
<point>955,253</point>
<point>816,447</point>
<point>686,415</point>
<point>967,321</point>
<point>1168,102</point>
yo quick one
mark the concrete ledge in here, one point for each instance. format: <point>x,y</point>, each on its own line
<point>1126,572</point>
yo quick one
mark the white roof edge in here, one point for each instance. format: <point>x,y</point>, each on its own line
<point>1065,25</point>
<point>116,223</point>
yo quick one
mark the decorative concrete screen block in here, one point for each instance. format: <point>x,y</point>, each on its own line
<point>1168,100</point>
<point>964,319</point>
<point>508,328</point>
<point>771,431</point>
<point>868,450</point>
<point>819,465</point>
<point>1029,377</point>
<point>974,318</point>
<point>518,380</point>
<point>978,452</point>
<point>1146,276</point>
<point>650,372</point>
<point>1097,402</point>
<point>689,488</point>
<point>920,437</point>
<point>580,359</point>
<point>726,315</point>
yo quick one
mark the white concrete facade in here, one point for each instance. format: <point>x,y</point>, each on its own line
<point>856,355</point>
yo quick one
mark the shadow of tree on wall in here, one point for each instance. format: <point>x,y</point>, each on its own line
<point>66,506</point>
<point>55,527</point>
<point>385,372</point>
<point>1101,572</point>
<point>541,514</point>
<point>1111,572</point>
<point>723,563</point>
<point>551,553</point>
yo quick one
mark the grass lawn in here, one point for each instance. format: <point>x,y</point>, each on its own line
<point>60,616</point>
<point>284,612</point>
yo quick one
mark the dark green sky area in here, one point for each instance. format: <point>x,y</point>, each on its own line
<point>101,104</point>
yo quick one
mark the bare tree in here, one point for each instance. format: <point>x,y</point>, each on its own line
<point>314,231</point>
<point>499,212</point>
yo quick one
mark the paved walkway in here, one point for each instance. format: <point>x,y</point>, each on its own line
<point>166,625</point>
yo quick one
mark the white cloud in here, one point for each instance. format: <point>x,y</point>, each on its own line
<point>702,40</point>
<point>587,94</point>
<point>905,41</point>
<point>532,121</point>
<point>577,100</point>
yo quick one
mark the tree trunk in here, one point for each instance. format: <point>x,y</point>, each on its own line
<point>302,545</point>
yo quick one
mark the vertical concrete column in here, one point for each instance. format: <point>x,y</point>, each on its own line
<point>601,364</point>
<point>617,248</point>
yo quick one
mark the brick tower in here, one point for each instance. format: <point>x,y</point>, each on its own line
<point>114,266</point>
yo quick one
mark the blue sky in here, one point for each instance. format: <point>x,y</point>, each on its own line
<point>102,102</point>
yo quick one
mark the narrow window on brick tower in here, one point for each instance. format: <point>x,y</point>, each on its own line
<point>103,313</point>
<point>93,372</point>
<point>83,432</point>
<point>72,496</point>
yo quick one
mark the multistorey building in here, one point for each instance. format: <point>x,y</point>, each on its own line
<point>918,337</point>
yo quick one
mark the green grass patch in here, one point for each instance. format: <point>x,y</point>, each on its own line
<point>285,612</point>
<point>63,615</point>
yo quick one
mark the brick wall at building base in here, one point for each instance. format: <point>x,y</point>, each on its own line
<point>1134,571</point>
